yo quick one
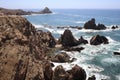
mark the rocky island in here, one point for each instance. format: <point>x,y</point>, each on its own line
<point>4,11</point>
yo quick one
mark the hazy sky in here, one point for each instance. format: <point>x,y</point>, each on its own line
<point>74,4</point>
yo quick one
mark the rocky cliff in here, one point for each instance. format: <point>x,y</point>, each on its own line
<point>23,50</point>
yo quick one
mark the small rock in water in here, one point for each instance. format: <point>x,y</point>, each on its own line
<point>116,53</point>
<point>92,78</point>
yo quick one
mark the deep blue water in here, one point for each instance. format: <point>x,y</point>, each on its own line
<point>77,17</point>
<point>96,60</point>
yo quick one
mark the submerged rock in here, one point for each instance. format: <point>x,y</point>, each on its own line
<point>97,40</point>
<point>92,25</point>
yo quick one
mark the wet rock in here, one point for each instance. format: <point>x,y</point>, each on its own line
<point>77,73</point>
<point>83,41</point>
<point>114,27</point>
<point>61,58</point>
<point>116,53</point>
<point>92,78</point>
<point>60,74</point>
<point>97,40</point>
<point>92,25</point>
<point>67,39</point>
<point>74,49</point>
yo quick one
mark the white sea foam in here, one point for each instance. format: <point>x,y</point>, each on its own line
<point>80,22</point>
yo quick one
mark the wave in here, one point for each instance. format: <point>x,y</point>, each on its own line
<point>80,22</point>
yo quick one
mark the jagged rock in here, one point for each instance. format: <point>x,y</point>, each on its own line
<point>23,50</point>
<point>92,78</point>
<point>67,39</point>
<point>74,49</point>
<point>116,53</point>
<point>83,41</point>
<point>92,25</point>
<point>97,40</point>
<point>60,74</point>
<point>46,10</point>
<point>61,58</point>
<point>77,73</point>
<point>114,27</point>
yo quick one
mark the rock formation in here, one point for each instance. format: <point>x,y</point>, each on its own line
<point>46,10</point>
<point>67,39</point>
<point>83,41</point>
<point>116,53</point>
<point>92,25</point>
<point>23,50</point>
<point>62,58</point>
<point>76,73</point>
<point>97,40</point>
<point>92,78</point>
<point>13,12</point>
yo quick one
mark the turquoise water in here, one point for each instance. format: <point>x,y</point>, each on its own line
<point>96,60</point>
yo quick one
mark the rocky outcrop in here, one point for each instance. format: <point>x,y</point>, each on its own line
<point>46,10</point>
<point>83,41</point>
<point>76,73</point>
<point>23,50</point>
<point>62,58</point>
<point>74,49</point>
<point>92,25</point>
<point>92,78</point>
<point>114,27</point>
<point>97,40</point>
<point>116,53</point>
<point>13,12</point>
<point>67,39</point>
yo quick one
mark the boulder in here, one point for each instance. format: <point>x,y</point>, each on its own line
<point>77,73</point>
<point>60,74</point>
<point>92,78</point>
<point>92,25</point>
<point>83,41</point>
<point>114,27</point>
<point>97,40</point>
<point>61,58</point>
<point>116,53</point>
<point>74,49</point>
<point>46,10</point>
<point>67,39</point>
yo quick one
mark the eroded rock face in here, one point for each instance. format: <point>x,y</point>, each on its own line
<point>97,40</point>
<point>23,50</point>
<point>92,25</point>
<point>67,39</point>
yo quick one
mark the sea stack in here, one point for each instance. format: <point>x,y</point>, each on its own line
<point>46,10</point>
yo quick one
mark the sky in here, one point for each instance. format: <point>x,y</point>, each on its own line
<point>60,4</point>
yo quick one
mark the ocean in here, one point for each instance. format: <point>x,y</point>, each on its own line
<point>96,60</point>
